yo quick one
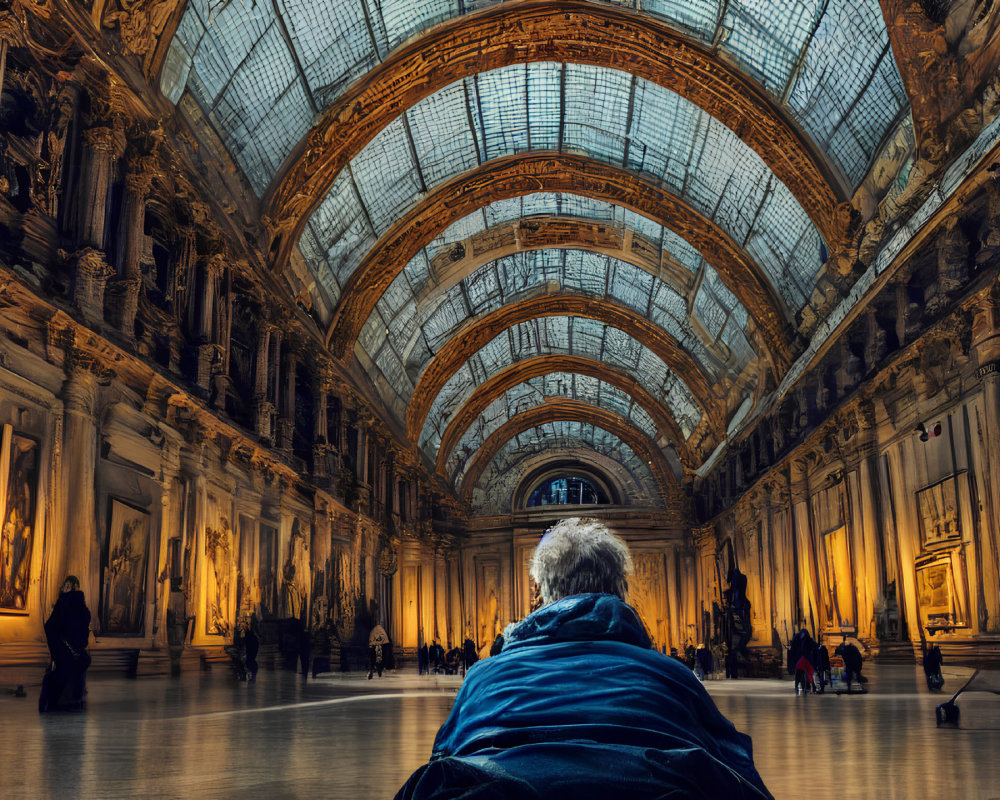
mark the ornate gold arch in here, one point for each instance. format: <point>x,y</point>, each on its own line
<point>514,176</point>
<point>572,31</point>
<point>565,410</point>
<point>478,332</point>
<point>522,371</point>
<point>549,232</point>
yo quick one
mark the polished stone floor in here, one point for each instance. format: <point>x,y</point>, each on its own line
<point>206,736</point>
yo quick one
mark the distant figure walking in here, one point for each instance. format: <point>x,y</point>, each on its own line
<point>377,640</point>
<point>67,632</point>
<point>251,643</point>
<point>932,667</point>
<point>852,664</point>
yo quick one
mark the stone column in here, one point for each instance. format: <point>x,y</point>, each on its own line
<point>805,558</point>
<point>321,435</point>
<point>169,470</point>
<point>103,143</point>
<point>138,182</point>
<point>286,420</point>
<point>674,601</point>
<point>989,376</point>
<point>901,459</point>
<point>90,278</point>
<point>9,27</point>
<point>986,343</point>
<point>263,408</point>
<point>79,458</point>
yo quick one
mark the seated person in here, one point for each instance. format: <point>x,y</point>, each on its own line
<point>578,705</point>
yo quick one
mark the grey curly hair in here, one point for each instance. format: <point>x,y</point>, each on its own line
<point>579,555</point>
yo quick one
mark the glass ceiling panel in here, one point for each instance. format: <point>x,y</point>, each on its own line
<point>551,439</point>
<point>827,62</point>
<point>720,347</point>
<point>534,392</point>
<point>561,335</point>
<point>642,126</point>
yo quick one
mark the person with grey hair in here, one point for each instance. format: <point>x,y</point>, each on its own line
<point>578,704</point>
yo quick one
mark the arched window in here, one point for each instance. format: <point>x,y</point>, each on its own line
<point>567,490</point>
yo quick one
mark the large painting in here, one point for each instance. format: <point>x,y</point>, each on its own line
<point>939,521</point>
<point>17,528</point>
<point>123,595</point>
<point>940,599</point>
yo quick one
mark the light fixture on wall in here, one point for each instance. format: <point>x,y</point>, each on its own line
<point>929,433</point>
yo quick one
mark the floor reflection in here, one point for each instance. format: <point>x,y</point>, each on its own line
<point>205,736</point>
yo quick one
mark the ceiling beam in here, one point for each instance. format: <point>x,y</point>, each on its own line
<point>549,232</point>
<point>477,332</point>
<point>572,31</point>
<point>565,410</point>
<point>522,371</point>
<point>515,176</point>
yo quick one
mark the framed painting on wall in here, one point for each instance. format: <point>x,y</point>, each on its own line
<point>18,495</point>
<point>123,582</point>
<point>937,505</point>
<point>941,602</point>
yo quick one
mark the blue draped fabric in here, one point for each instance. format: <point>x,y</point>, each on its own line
<point>577,705</point>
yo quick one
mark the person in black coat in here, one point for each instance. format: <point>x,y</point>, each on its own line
<point>852,664</point>
<point>932,667</point>
<point>67,631</point>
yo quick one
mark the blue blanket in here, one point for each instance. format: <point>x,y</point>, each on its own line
<point>577,705</point>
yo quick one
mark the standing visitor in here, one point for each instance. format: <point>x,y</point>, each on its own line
<point>67,632</point>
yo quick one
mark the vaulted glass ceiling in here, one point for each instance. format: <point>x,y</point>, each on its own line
<point>508,467</point>
<point>415,316</point>
<point>534,392</point>
<point>605,114</point>
<point>417,333</point>
<point>263,71</point>
<point>565,336</point>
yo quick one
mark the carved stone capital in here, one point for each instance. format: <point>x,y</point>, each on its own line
<point>80,389</point>
<point>139,178</point>
<point>105,140</point>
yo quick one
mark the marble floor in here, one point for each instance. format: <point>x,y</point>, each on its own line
<point>206,736</point>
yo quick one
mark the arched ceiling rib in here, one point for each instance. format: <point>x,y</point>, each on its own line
<point>635,334</point>
<point>520,175</point>
<point>599,113</point>
<point>414,334</point>
<point>562,410</point>
<point>829,67</point>
<point>452,264</point>
<point>540,366</point>
<point>542,392</point>
<point>470,267</point>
